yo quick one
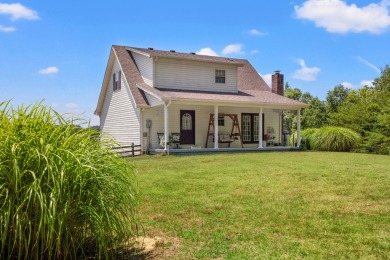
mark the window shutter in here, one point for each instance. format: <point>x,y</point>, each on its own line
<point>113,82</point>
<point>119,79</point>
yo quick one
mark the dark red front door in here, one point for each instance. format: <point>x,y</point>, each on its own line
<point>187,126</point>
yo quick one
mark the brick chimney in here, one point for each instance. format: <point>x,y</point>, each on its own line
<point>277,83</point>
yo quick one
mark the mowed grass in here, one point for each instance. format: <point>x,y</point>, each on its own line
<point>268,205</point>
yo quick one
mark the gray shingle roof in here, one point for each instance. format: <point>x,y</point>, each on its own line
<point>253,97</point>
<point>188,56</point>
<point>132,74</point>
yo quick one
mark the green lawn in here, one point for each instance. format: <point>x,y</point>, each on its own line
<point>268,205</point>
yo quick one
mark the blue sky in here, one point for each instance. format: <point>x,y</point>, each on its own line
<point>58,50</point>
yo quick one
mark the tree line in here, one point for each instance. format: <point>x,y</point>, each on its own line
<point>365,110</point>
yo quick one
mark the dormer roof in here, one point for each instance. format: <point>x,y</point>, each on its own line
<point>186,56</point>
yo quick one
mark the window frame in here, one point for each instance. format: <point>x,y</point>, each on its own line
<point>220,76</point>
<point>252,127</point>
<point>117,81</point>
<point>221,120</point>
<point>186,122</point>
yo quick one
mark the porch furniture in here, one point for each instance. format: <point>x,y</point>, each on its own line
<point>224,137</point>
<point>174,138</point>
<point>161,139</point>
<point>271,135</point>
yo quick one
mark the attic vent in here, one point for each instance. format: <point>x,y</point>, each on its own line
<point>172,51</point>
<point>150,48</point>
<point>192,53</point>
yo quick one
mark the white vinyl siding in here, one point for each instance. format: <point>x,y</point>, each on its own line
<point>202,114</point>
<point>145,67</point>
<point>191,75</point>
<point>119,117</point>
<point>152,100</point>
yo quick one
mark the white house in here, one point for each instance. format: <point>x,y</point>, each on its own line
<point>149,96</point>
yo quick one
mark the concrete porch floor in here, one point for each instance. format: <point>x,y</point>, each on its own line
<point>213,150</point>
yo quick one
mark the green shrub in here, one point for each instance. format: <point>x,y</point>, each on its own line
<point>375,143</point>
<point>331,138</point>
<point>306,136</point>
<point>62,194</point>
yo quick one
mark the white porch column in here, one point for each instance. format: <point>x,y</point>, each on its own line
<point>261,128</point>
<point>298,127</point>
<point>166,126</point>
<point>216,127</point>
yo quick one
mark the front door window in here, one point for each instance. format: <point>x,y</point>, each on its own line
<point>186,122</point>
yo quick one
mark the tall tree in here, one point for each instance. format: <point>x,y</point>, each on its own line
<point>293,93</point>
<point>336,97</point>
<point>367,111</point>
<point>315,116</point>
<point>306,97</point>
<point>382,86</point>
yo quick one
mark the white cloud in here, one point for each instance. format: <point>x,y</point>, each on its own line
<point>366,83</point>
<point>7,29</point>
<point>74,109</point>
<point>207,51</point>
<point>347,85</point>
<point>71,106</point>
<point>255,32</point>
<point>233,49</point>
<point>49,70</point>
<point>306,73</point>
<point>336,16</point>
<point>364,61</point>
<point>254,51</point>
<point>18,11</point>
<point>267,78</point>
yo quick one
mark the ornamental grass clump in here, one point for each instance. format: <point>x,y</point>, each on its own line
<point>338,139</point>
<point>306,136</point>
<point>62,194</point>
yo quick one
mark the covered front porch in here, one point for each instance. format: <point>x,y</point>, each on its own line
<point>173,150</point>
<point>193,128</point>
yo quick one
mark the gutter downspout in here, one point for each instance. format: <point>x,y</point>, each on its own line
<point>166,125</point>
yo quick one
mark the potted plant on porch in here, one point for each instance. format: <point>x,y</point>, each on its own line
<point>265,140</point>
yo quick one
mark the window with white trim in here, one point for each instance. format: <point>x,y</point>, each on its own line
<point>220,76</point>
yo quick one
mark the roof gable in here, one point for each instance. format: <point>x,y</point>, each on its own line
<point>131,75</point>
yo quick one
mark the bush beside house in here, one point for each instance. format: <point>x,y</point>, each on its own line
<point>329,138</point>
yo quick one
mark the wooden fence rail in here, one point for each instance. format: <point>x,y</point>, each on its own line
<point>129,150</point>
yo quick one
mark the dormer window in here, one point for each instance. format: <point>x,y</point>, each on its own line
<point>116,81</point>
<point>220,76</point>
